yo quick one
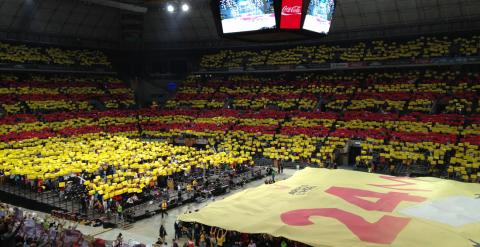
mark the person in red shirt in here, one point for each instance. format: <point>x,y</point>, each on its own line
<point>244,239</point>
<point>190,243</point>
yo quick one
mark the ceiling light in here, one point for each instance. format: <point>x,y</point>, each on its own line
<point>170,8</point>
<point>185,7</point>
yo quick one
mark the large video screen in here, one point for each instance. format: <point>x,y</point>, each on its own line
<point>246,15</point>
<point>319,16</point>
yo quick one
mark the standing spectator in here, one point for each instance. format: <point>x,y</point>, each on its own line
<point>179,195</point>
<point>174,243</point>
<point>120,211</point>
<point>178,231</point>
<point>163,208</point>
<point>7,233</point>
<point>190,243</point>
<point>196,233</point>
<point>90,202</point>
<point>277,164</point>
<point>194,184</point>
<point>221,237</point>
<point>213,239</point>
<point>202,241</point>
<point>162,232</point>
<point>84,204</point>
<point>119,241</point>
<point>130,201</point>
<point>104,205</point>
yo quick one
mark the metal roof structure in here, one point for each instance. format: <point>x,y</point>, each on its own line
<point>68,18</point>
<point>110,20</point>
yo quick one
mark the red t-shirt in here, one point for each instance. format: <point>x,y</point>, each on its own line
<point>244,239</point>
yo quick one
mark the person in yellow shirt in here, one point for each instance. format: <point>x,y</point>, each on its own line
<point>170,184</point>
<point>203,241</point>
<point>221,237</point>
<point>189,188</point>
<point>163,208</point>
<point>194,184</point>
<point>213,237</point>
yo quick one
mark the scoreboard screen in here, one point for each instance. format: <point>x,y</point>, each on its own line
<point>246,15</point>
<point>319,16</point>
<point>273,20</point>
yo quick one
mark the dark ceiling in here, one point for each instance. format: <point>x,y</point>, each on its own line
<point>92,20</point>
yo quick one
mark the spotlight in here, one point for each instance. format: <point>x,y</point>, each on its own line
<point>185,7</point>
<point>170,8</point>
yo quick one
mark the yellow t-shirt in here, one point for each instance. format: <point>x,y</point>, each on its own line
<point>220,240</point>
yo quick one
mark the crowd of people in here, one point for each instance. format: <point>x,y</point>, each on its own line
<point>23,54</point>
<point>43,93</point>
<point>23,228</point>
<point>108,166</point>
<point>36,146</point>
<point>201,235</point>
<point>52,139</point>
<point>410,50</point>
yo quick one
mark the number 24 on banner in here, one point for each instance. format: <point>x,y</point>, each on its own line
<point>384,231</point>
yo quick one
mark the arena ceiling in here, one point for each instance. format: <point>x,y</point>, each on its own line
<point>108,20</point>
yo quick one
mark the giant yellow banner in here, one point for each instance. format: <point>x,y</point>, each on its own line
<point>322,207</point>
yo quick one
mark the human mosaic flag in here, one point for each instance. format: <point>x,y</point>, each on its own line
<point>322,207</point>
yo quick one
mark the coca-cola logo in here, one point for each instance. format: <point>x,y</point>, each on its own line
<point>293,10</point>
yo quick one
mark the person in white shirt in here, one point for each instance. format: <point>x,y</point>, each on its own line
<point>130,201</point>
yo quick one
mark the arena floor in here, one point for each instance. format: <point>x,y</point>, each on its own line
<point>146,230</point>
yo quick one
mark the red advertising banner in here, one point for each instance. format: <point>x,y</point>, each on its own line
<point>291,15</point>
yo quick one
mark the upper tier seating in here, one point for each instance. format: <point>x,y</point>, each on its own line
<point>368,51</point>
<point>23,54</point>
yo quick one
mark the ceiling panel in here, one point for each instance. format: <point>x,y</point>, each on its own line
<point>75,18</point>
<point>53,28</point>
<point>450,11</point>
<point>407,4</point>
<point>432,13</point>
<point>84,31</point>
<point>410,17</point>
<point>390,17</point>
<point>38,26</point>
<point>385,6</point>
<point>10,6</point>
<point>43,14</point>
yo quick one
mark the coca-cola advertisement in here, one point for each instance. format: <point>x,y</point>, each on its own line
<point>319,16</point>
<point>291,15</point>
<point>246,15</point>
